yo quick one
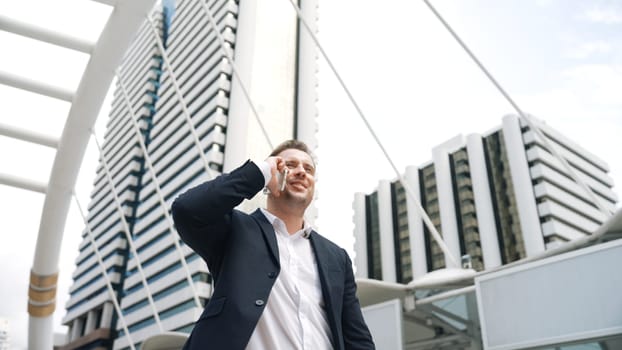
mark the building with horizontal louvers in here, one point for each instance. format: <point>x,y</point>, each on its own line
<point>496,197</point>
<point>191,121</point>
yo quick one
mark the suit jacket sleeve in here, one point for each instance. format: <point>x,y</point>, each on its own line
<point>356,335</point>
<point>202,215</point>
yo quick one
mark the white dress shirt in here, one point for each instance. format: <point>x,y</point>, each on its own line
<point>294,316</point>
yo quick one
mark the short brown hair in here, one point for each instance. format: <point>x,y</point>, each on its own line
<point>292,144</point>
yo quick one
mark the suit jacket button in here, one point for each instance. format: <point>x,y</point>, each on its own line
<point>272,274</point>
<point>259,302</point>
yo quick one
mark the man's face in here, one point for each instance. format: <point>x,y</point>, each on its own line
<point>300,183</point>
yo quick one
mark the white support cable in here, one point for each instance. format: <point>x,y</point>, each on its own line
<point>437,237</point>
<point>169,220</point>
<point>180,98</point>
<point>532,125</point>
<point>223,46</point>
<point>100,261</point>
<point>126,230</point>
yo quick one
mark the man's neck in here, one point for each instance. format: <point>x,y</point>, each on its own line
<point>293,219</point>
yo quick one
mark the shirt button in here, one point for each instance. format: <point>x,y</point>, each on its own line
<point>259,302</point>
<point>272,274</point>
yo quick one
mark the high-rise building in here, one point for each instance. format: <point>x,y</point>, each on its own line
<point>497,197</point>
<point>161,284</point>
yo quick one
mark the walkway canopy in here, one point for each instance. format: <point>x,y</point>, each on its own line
<point>86,100</point>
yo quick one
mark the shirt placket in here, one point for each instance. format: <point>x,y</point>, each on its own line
<point>303,307</point>
<point>292,266</point>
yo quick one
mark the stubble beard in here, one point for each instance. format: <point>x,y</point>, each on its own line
<point>296,199</point>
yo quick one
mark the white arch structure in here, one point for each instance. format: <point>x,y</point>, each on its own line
<point>86,102</point>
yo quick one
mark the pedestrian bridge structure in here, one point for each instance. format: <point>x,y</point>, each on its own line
<point>565,296</point>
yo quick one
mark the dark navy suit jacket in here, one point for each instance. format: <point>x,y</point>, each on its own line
<point>242,255</point>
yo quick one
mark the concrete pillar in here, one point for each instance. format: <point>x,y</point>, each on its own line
<point>523,189</point>
<point>307,76</point>
<point>444,187</point>
<point>415,225</point>
<point>46,336</point>
<point>265,58</point>
<point>69,332</point>
<point>107,312</point>
<point>91,322</point>
<point>76,329</point>
<point>385,221</point>
<point>483,202</point>
<point>360,235</point>
<point>239,110</point>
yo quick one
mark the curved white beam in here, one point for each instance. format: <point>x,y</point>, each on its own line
<point>116,37</point>
<point>45,35</point>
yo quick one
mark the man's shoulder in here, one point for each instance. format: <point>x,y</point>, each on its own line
<point>244,215</point>
<point>327,242</point>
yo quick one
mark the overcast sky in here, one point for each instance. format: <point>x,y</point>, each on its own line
<point>561,60</point>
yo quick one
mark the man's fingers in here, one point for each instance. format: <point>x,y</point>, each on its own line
<point>280,164</point>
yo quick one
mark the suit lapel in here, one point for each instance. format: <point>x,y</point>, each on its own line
<point>326,263</point>
<point>268,233</point>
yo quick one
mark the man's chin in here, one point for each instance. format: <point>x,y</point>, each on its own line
<point>298,195</point>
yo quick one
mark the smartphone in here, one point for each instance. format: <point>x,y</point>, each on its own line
<point>282,180</point>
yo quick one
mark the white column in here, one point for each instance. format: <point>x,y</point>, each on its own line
<point>236,144</point>
<point>107,312</point>
<point>444,188</point>
<point>360,235</point>
<point>523,190</point>
<point>46,336</point>
<point>483,202</point>
<point>76,329</point>
<point>385,221</point>
<point>307,76</point>
<point>415,225</point>
<point>265,58</point>
<point>69,332</point>
<point>306,113</point>
<point>91,322</point>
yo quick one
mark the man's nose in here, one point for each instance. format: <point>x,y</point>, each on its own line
<point>299,170</point>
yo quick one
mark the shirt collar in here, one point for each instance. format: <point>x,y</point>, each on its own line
<point>306,228</point>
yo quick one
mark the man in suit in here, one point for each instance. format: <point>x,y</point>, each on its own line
<point>279,285</point>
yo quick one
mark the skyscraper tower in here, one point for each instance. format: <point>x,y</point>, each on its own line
<point>191,120</point>
<point>497,197</point>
